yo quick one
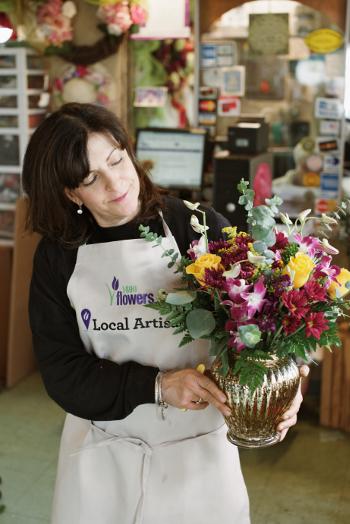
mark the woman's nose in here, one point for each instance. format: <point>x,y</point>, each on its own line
<point>111,180</point>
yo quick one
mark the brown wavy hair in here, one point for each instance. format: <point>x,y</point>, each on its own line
<point>56,159</point>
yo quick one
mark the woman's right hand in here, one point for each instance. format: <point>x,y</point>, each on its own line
<point>190,389</point>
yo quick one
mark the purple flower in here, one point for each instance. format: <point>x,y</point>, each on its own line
<point>235,287</point>
<point>115,284</point>
<point>255,299</point>
<point>309,245</point>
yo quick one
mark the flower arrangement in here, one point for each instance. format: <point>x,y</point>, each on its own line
<point>54,19</point>
<point>257,294</point>
<point>84,84</point>
<point>47,26</point>
<point>118,16</point>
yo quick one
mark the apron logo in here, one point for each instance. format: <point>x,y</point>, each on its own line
<point>86,317</point>
<point>128,295</point>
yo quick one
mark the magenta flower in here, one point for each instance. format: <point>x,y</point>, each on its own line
<point>255,299</point>
<point>213,278</point>
<point>290,324</point>
<point>281,241</point>
<point>309,245</point>
<point>315,292</point>
<point>325,269</point>
<point>296,302</point>
<point>316,324</point>
<point>235,287</point>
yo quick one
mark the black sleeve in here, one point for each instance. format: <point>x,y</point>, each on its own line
<point>82,384</point>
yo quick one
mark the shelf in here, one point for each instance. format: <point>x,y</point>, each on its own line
<point>9,131</point>
<point>10,169</point>
<point>6,242</point>
<point>7,206</point>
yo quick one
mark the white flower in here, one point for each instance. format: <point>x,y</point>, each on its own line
<point>196,226</point>
<point>233,272</point>
<point>285,219</point>
<point>328,220</point>
<point>200,248</point>
<point>255,259</point>
<point>69,9</point>
<point>114,29</point>
<point>330,250</point>
<point>304,214</point>
<point>191,206</point>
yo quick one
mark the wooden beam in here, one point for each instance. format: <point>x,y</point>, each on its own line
<point>211,11</point>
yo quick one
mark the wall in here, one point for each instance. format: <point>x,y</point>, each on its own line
<point>211,10</point>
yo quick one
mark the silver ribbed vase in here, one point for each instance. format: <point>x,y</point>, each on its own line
<point>256,414</point>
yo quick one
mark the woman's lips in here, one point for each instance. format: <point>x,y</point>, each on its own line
<point>120,198</point>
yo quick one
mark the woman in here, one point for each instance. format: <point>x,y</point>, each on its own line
<point>100,351</point>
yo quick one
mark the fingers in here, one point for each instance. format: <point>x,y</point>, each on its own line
<point>211,394</point>
<point>183,388</point>
<point>304,370</point>
<point>294,407</point>
<point>286,424</point>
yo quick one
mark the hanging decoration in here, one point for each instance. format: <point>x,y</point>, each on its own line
<point>177,57</point>
<point>83,84</point>
<point>47,25</point>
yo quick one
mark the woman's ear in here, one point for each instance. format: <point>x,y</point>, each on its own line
<point>70,193</point>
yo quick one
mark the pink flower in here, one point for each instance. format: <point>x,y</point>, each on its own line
<point>116,15</point>
<point>309,245</point>
<point>255,299</point>
<point>316,324</point>
<point>138,14</point>
<point>325,269</point>
<point>296,302</point>
<point>235,287</point>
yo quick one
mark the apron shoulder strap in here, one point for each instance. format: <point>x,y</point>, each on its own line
<point>166,228</point>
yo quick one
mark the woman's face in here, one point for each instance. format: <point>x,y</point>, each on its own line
<point>111,189</point>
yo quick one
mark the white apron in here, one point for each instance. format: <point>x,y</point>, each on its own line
<point>141,469</point>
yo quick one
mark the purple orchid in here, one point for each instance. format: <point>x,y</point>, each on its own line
<point>309,245</point>
<point>235,287</point>
<point>255,299</point>
<point>324,268</point>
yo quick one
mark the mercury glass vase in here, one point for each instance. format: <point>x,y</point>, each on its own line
<point>256,414</point>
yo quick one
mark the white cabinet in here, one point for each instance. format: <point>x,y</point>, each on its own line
<point>23,104</point>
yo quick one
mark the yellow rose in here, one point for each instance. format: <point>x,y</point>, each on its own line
<point>342,278</point>
<point>299,268</point>
<point>207,261</point>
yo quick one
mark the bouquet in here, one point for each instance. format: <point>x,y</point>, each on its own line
<point>260,293</point>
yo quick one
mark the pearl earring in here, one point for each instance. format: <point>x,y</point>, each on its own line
<point>79,210</point>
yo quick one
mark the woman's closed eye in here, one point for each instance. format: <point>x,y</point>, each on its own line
<point>90,179</point>
<point>116,162</point>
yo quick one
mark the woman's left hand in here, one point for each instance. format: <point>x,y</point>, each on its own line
<point>289,418</point>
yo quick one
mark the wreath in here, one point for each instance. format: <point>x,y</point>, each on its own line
<point>91,85</point>
<point>48,26</point>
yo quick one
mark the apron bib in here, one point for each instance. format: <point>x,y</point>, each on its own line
<point>141,469</point>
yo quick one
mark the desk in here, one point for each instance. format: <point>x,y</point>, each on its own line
<point>16,355</point>
<point>335,385</point>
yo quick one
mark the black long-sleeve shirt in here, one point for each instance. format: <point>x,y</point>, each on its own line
<point>81,383</point>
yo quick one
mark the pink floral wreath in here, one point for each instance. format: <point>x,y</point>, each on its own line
<point>54,27</point>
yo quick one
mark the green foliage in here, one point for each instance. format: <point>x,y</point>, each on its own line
<point>251,369</point>
<point>6,6</point>
<point>180,297</point>
<point>250,335</point>
<point>200,323</point>
<point>289,252</point>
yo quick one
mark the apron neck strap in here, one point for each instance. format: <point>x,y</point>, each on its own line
<point>167,231</point>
